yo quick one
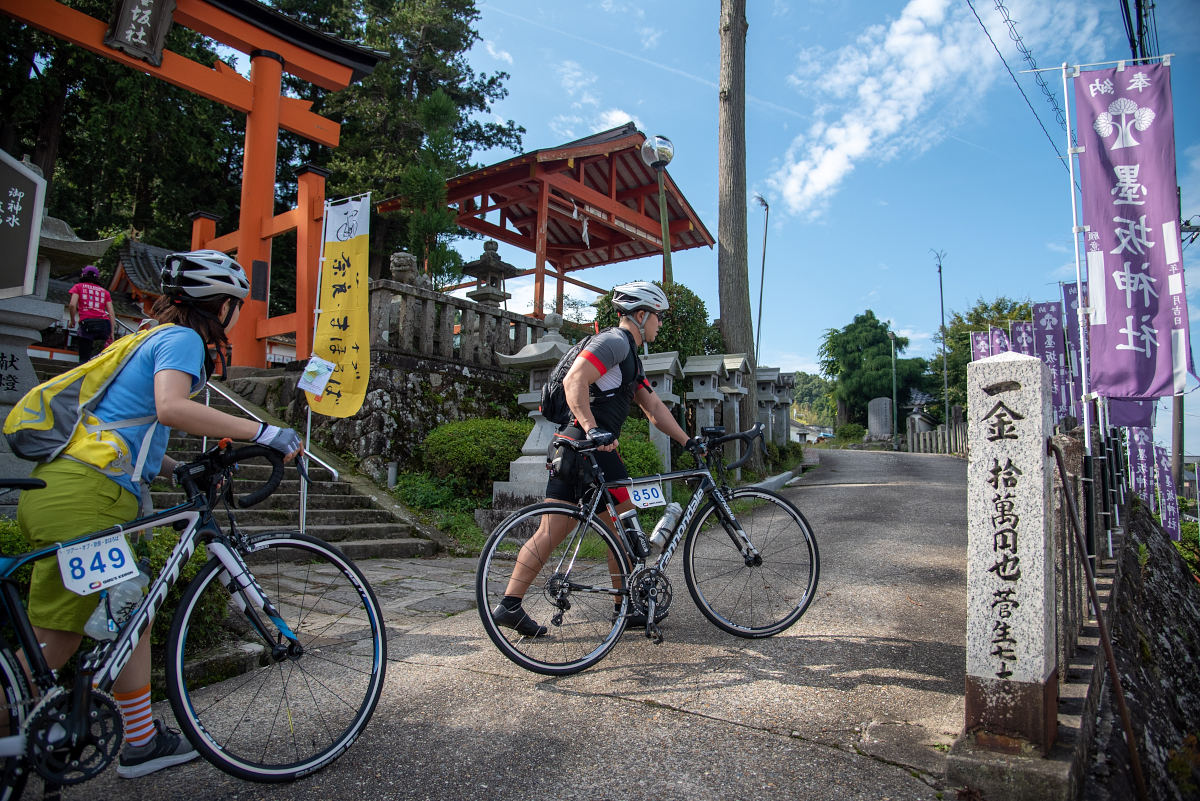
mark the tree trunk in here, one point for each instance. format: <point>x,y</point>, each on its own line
<point>732,282</point>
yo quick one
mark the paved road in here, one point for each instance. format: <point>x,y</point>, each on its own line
<point>859,700</point>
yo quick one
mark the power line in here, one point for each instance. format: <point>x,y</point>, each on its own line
<point>1059,114</point>
<point>1017,83</point>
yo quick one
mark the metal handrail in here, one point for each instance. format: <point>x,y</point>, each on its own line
<point>312,457</point>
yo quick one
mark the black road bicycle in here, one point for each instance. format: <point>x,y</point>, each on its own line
<point>750,562</point>
<point>305,667</point>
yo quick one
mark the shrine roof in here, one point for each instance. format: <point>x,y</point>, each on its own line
<point>360,60</point>
<point>600,179</point>
<point>141,265</point>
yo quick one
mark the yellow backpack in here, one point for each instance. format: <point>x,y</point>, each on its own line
<point>56,417</point>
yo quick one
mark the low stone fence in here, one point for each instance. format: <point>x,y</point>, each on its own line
<point>414,321</point>
<point>944,439</point>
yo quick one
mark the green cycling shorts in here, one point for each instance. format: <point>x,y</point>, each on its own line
<point>76,500</point>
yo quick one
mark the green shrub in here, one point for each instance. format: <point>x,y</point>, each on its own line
<point>471,454</point>
<point>637,451</point>
<point>850,432</point>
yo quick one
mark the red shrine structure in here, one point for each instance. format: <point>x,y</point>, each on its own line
<point>580,205</point>
<point>275,44</point>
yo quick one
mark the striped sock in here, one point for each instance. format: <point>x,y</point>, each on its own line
<point>135,713</point>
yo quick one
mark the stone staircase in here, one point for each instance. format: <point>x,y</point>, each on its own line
<point>351,512</point>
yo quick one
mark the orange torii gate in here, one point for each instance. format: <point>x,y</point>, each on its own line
<point>583,204</point>
<point>275,44</point>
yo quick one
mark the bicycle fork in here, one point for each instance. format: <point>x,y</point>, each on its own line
<point>251,600</point>
<point>735,531</point>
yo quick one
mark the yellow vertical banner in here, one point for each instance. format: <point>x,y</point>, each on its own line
<point>342,334</point>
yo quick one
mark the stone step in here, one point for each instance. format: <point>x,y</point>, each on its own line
<point>401,548</point>
<point>283,500</point>
<point>339,533</point>
<point>350,519</point>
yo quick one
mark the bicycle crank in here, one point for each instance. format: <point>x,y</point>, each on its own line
<point>64,757</point>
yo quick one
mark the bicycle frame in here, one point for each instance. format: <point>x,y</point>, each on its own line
<point>105,662</point>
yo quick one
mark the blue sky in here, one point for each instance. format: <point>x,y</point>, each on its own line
<point>877,131</point>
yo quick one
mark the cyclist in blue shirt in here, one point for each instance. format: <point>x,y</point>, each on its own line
<point>202,296</point>
<point>600,386</point>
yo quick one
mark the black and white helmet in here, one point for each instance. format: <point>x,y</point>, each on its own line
<point>203,275</point>
<point>638,295</point>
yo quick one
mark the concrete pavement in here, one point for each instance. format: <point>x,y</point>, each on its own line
<point>859,700</point>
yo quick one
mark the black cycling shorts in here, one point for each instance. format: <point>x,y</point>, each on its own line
<point>569,486</point>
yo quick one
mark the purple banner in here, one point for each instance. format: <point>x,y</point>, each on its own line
<point>1071,327</point>
<point>981,348</point>
<point>1130,413</point>
<point>1141,464</point>
<point>999,340</point>
<point>1166,491</point>
<point>1048,346</point>
<point>1021,336</point>
<point>1139,327</point>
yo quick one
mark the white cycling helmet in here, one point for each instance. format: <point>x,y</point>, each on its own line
<point>202,275</point>
<point>638,295</point>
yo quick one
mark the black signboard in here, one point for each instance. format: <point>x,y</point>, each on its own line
<point>139,28</point>
<point>22,192</point>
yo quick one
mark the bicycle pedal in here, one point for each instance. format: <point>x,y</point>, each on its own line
<point>653,633</point>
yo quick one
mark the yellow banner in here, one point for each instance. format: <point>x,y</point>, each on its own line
<point>342,331</point>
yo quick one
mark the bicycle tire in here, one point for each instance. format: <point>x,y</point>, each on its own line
<point>752,601</point>
<point>281,720</point>
<point>14,703</point>
<point>575,606</point>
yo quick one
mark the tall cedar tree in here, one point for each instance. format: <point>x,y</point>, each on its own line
<point>858,360</point>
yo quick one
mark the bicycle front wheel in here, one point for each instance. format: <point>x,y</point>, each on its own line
<point>276,714</point>
<point>761,596</point>
<point>15,701</point>
<point>576,594</point>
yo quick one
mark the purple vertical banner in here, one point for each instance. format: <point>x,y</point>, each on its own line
<point>999,340</point>
<point>1141,464</point>
<point>1020,333</point>
<point>981,347</point>
<point>1130,413</point>
<point>1076,356</point>
<point>1139,323</point>
<point>1166,490</point>
<point>1049,347</point>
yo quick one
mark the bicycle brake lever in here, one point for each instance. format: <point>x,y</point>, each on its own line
<point>300,468</point>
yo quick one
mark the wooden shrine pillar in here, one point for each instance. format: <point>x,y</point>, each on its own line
<point>539,285</point>
<point>310,206</point>
<point>258,203</point>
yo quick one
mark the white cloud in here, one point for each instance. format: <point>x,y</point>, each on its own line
<point>497,53</point>
<point>611,118</point>
<point>573,78</point>
<point>566,125</point>
<point>900,88</point>
<point>650,37</point>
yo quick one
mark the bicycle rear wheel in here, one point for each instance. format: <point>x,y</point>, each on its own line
<point>757,599</point>
<point>14,707</point>
<point>278,717</point>
<point>577,592</point>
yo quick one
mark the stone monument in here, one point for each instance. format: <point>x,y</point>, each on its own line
<point>879,418</point>
<point>1012,676</point>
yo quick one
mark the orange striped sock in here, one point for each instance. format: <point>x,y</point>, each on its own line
<point>136,714</point>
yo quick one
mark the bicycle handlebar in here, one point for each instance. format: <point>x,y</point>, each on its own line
<point>218,460</point>
<point>748,436</point>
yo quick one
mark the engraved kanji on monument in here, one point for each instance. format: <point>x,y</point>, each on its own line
<point>1012,680</point>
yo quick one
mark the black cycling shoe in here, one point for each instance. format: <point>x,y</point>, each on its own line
<point>517,620</point>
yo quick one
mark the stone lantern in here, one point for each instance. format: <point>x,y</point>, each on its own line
<point>527,475</point>
<point>784,396</point>
<point>491,273</point>
<point>737,377</point>
<point>707,374</point>
<point>767,379</point>
<point>662,371</point>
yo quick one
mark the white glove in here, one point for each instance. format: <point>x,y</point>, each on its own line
<point>284,440</point>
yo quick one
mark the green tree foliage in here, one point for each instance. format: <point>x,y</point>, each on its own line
<point>685,327</point>
<point>980,317</point>
<point>814,400</point>
<point>858,360</point>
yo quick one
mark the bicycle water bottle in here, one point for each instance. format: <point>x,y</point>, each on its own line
<point>117,604</point>
<point>665,526</point>
<point>638,544</point>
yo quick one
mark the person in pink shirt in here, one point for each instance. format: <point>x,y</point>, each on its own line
<point>92,306</point>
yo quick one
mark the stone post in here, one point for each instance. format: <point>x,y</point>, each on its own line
<point>1012,677</point>
<point>879,418</point>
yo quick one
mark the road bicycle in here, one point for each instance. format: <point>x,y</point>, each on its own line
<point>295,681</point>
<point>750,562</point>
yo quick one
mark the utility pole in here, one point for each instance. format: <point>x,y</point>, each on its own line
<point>939,255</point>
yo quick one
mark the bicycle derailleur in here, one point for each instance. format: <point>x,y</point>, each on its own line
<point>650,595</point>
<point>64,752</point>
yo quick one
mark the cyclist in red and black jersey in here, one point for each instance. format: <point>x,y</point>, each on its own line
<point>604,379</point>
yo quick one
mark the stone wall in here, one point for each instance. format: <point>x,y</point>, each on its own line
<point>408,397</point>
